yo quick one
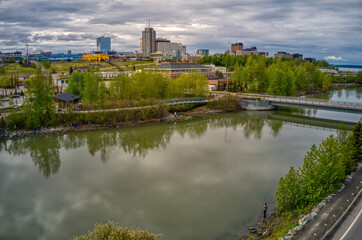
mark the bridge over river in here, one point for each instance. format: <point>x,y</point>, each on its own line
<point>306,103</point>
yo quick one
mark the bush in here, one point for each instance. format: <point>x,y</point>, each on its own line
<point>113,231</point>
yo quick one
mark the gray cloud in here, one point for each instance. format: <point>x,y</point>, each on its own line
<point>296,26</point>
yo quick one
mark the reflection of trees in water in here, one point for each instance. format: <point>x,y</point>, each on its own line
<point>45,151</point>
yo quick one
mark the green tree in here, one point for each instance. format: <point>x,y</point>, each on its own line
<point>289,193</point>
<point>327,81</point>
<point>39,105</point>
<point>323,170</point>
<point>359,77</point>
<point>301,78</point>
<point>45,64</point>
<point>76,83</point>
<point>91,86</point>
<point>356,143</point>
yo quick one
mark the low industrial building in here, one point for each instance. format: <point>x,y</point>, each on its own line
<point>215,84</point>
<point>175,69</point>
<point>17,55</point>
<point>58,57</point>
<point>95,57</point>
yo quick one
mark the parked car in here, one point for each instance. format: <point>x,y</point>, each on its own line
<point>15,96</point>
<point>5,99</point>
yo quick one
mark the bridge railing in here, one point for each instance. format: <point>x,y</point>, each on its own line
<point>302,98</point>
<point>183,101</point>
<point>345,105</point>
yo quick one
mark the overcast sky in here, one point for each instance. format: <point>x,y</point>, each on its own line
<point>323,29</point>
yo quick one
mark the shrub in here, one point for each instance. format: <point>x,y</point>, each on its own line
<point>113,231</point>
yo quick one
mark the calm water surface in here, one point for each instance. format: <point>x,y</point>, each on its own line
<point>204,178</point>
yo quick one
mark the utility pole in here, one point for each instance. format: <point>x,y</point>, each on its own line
<point>27,54</point>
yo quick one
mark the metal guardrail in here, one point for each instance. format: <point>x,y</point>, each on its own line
<point>342,212</point>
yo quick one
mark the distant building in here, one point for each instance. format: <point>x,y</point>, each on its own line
<point>191,58</point>
<point>309,59</point>
<point>169,49</point>
<point>103,44</point>
<point>251,51</point>
<point>202,52</point>
<point>297,55</point>
<point>58,57</point>
<point>283,55</point>
<point>176,69</point>
<point>95,57</point>
<point>237,46</point>
<point>17,55</point>
<point>148,42</point>
<point>184,50</point>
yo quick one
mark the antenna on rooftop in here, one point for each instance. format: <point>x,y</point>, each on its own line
<point>149,22</point>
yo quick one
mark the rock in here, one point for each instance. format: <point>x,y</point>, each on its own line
<point>310,217</point>
<point>341,189</point>
<point>313,214</point>
<point>329,198</point>
<point>266,233</point>
<point>298,228</point>
<point>288,237</point>
<point>359,167</point>
<point>291,233</point>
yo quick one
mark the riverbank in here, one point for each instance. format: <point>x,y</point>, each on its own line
<point>223,105</point>
<point>81,127</point>
<point>304,226</point>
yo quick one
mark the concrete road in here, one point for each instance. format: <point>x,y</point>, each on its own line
<point>351,228</point>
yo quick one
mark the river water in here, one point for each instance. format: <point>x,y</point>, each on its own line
<point>203,178</point>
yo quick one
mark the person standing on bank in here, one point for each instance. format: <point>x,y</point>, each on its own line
<point>265,209</point>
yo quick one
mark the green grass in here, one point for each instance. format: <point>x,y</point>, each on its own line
<point>16,68</point>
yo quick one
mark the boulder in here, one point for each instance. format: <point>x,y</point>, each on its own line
<point>329,198</point>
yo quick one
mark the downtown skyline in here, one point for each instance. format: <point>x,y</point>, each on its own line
<point>329,30</point>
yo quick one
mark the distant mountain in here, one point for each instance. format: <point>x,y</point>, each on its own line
<point>347,66</point>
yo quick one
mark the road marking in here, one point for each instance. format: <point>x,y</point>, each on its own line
<point>345,234</point>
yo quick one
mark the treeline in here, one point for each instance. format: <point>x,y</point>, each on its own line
<point>229,61</point>
<point>138,89</point>
<point>324,168</point>
<point>279,78</point>
<point>259,74</point>
<point>140,86</point>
